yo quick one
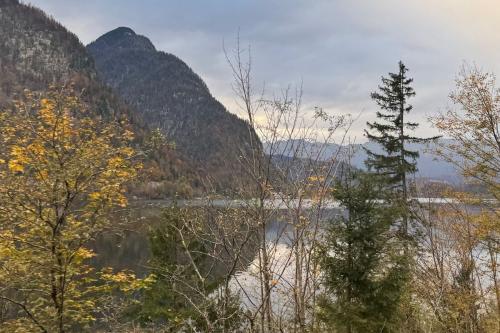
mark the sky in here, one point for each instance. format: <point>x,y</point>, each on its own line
<point>336,50</point>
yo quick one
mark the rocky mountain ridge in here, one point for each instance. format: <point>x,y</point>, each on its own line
<point>170,96</point>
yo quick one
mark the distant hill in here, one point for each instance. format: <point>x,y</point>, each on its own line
<point>429,166</point>
<point>169,95</point>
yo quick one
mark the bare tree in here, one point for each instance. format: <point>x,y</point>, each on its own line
<point>296,157</point>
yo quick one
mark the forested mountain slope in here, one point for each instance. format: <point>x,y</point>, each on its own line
<point>170,96</point>
<point>152,89</point>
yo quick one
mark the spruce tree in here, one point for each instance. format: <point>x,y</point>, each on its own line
<point>364,267</point>
<point>390,132</point>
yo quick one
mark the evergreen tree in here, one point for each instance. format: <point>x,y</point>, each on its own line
<point>170,301</point>
<point>391,133</point>
<point>396,162</point>
<point>363,264</point>
<point>161,304</point>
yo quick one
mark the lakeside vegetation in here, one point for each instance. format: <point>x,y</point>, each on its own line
<point>306,242</point>
<point>385,264</point>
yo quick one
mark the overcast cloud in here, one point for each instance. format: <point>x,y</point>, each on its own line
<point>338,49</point>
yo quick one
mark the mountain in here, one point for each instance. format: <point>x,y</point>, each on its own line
<point>170,96</point>
<point>429,166</point>
<point>36,51</point>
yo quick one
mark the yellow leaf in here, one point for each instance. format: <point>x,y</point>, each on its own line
<point>14,166</point>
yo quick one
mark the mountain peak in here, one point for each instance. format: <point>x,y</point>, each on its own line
<point>123,38</point>
<point>167,94</point>
<point>123,31</point>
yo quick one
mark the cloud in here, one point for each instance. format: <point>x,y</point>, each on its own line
<point>338,49</point>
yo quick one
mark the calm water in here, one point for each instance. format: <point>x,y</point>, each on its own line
<point>129,249</point>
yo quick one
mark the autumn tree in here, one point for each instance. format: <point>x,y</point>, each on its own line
<point>63,170</point>
<point>453,276</point>
<point>473,125</point>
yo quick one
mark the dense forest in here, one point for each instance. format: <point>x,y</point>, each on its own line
<point>281,239</point>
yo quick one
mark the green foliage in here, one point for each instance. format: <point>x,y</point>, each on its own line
<point>186,294</point>
<point>162,304</point>
<point>391,130</point>
<point>364,265</point>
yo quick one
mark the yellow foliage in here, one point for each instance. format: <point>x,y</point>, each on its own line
<point>94,196</point>
<point>15,166</point>
<point>85,253</point>
<point>125,281</point>
<point>59,184</point>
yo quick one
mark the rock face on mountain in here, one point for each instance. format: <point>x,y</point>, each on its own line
<point>168,95</point>
<point>36,51</point>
